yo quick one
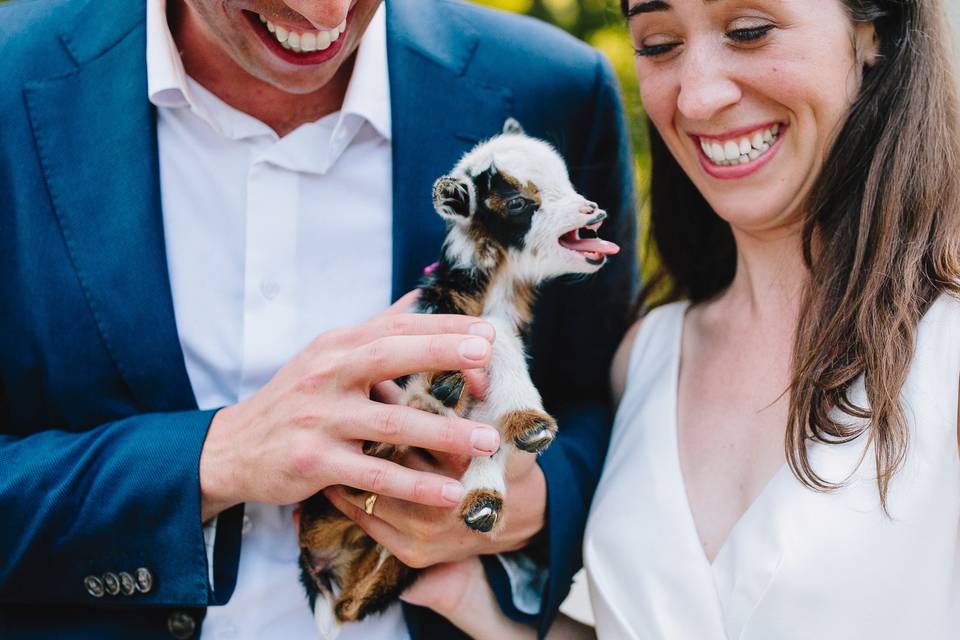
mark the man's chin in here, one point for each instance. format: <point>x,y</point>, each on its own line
<point>302,82</point>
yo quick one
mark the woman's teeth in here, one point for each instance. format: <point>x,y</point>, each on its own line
<point>741,150</point>
<point>305,41</point>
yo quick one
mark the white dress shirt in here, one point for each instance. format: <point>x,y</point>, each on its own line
<point>271,241</point>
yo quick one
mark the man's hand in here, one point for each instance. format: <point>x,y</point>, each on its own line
<point>421,536</point>
<point>303,431</point>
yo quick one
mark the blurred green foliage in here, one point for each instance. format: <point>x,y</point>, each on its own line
<point>600,23</point>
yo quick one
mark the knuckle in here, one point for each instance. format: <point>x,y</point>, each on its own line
<point>304,461</point>
<point>450,433</point>
<point>327,341</point>
<point>421,490</point>
<point>389,423</point>
<point>417,557</point>
<point>311,383</point>
<point>376,478</point>
<point>402,552</point>
<point>377,354</point>
<point>398,324</point>
<point>436,347</point>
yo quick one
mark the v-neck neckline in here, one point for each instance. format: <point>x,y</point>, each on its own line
<point>674,422</point>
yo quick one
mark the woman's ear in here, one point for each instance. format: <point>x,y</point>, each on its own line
<point>866,43</point>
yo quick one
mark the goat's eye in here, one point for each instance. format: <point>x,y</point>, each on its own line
<point>517,205</point>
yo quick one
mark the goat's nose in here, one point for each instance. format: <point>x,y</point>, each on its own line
<point>588,208</point>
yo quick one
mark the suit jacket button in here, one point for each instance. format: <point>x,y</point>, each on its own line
<point>144,580</point>
<point>111,583</point>
<point>94,586</point>
<point>181,625</point>
<point>127,584</point>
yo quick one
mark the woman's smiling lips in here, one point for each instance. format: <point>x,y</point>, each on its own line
<point>738,153</point>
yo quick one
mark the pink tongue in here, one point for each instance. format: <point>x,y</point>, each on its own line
<point>592,245</point>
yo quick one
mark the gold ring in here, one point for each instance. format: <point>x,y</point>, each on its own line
<point>369,503</point>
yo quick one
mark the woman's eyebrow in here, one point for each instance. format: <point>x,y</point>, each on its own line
<point>647,7</point>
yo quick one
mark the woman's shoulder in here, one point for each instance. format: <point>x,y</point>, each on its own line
<point>653,328</point>
<point>938,333</point>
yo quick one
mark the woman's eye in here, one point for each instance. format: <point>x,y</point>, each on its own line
<point>749,34</point>
<point>516,205</point>
<point>654,50</point>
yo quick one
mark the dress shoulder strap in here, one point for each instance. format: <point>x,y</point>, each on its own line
<point>657,342</point>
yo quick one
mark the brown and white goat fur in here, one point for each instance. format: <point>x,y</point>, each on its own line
<point>514,221</point>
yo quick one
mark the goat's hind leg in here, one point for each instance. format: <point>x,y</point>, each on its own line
<point>373,582</point>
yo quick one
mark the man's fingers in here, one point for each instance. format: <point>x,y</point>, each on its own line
<point>397,322</point>
<point>397,424</point>
<point>418,324</point>
<point>383,477</point>
<point>394,356</point>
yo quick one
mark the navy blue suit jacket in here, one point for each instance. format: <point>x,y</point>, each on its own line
<point>100,435</point>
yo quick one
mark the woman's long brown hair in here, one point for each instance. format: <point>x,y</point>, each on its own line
<point>885,217</point>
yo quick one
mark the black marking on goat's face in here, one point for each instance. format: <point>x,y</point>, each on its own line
<point>504,209</point>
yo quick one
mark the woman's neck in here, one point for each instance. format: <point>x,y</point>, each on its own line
<point>770,277</point>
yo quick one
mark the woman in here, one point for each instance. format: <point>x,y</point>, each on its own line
<point>785,456</point>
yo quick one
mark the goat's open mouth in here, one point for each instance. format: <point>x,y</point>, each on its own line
<point>584,240</point>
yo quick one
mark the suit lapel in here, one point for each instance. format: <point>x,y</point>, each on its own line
<point>438,113</point>
<point>96,137</point>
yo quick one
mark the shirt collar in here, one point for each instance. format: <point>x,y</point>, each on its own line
<point>166,77</point>
<point>367,96</point>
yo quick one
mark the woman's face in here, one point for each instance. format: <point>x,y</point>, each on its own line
<point>748,94</point>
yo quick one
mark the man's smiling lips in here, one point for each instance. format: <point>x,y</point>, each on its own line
<point>296,44</point>
<point>739,153</point>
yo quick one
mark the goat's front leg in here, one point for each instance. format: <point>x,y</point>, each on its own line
<point>514,405</point>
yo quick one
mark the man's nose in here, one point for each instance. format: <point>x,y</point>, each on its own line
<point>706,87</point>
<point>322,14</point>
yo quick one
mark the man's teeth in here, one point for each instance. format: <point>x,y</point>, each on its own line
<point>305,41</point>
<point>742,150</point>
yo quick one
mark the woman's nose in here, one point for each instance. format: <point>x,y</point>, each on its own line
<point>322,14</point>
<point>706,87</point>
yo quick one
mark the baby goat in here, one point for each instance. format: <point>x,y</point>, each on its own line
<point>514,221</point>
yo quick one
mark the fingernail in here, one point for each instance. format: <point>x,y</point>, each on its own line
<point>483,330</point>
<point>453,492</point>
<point>474,348</point>
<point>486,440</point>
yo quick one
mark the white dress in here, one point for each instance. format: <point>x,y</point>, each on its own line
<point>798,564</point>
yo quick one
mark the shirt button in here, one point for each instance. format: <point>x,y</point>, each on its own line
<point>94,586</point>
<point>246,526</point>
<point>269,289</point>
<point>181,625</point>
<point>144,580</point>
<point>111,583</point>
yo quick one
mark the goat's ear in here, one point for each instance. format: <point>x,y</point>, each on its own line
<point>512,126</point>
<point>454,198</point>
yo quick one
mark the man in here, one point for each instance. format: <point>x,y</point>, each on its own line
<point>201,212</point>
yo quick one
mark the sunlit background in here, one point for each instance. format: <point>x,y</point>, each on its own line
<point>600,23</point>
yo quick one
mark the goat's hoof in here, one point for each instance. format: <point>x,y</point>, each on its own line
<point>447,388</point>
<point>534,431</point>
<point>481,509</point>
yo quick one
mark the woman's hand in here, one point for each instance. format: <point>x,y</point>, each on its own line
<point>459,592</point>
<point>422,536</point>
